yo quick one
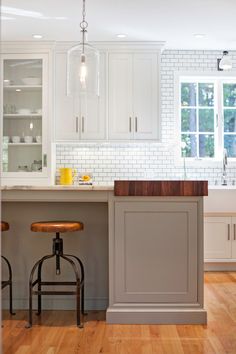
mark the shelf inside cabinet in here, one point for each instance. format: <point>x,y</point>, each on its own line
<point>18,115</point>
<point>23,88</point>
<point>24,144</point>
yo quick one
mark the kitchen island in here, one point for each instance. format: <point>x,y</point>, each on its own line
<point>151,233</point>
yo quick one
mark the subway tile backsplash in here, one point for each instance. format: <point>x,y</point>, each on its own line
<point>110,161</point>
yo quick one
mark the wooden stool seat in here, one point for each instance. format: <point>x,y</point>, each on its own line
<point>57,226</point>
<point>4,226</point>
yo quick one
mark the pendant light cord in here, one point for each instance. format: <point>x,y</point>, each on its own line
<point>83,25</point>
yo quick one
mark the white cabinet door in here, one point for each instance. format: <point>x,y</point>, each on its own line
<point>93,110</point>
<point>233,238</point>
<point>217,238</point>
<point>66,119</point>
<point>81,118</point>
<point>156,250</point>
<point>25,118</point>
<point>145,96</point>
<point>133,96</point>
<point>120,101</point>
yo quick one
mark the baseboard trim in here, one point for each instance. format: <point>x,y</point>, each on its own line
<point>219,267</point>
<point>143,316</point>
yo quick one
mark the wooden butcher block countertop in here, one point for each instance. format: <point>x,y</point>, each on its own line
<point>161,188</point>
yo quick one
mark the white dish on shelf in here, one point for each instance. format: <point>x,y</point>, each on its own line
<point>23,111</point>
<point>15,139</point>
<point>31,81</point>
<point>28,139</point>
<point>38,139</point>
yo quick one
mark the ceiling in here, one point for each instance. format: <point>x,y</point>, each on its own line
<point>173,21</point>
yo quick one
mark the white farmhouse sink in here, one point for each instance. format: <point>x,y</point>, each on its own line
<point>221,199</point>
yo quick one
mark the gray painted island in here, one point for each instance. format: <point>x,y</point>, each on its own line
<point>143,255</point>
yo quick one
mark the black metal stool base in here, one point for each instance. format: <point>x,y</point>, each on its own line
<point>78,269</point>
<point>8,283</point>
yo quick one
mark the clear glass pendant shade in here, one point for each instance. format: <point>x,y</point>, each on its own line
<point>83,70</point>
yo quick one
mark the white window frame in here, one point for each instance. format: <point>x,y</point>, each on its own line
<point>212,76</point>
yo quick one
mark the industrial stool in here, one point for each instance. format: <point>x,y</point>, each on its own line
<point>5,227</point>
<point>57,251</point>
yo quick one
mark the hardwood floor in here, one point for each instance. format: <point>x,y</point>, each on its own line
<point>57,334</point>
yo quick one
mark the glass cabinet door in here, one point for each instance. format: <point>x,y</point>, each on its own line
<point>22,149</point>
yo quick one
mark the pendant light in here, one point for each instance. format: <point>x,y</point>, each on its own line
<point>224,63</point>
<point>83,65</point>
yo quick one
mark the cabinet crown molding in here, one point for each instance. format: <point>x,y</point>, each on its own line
<point>116,46</point>
<point>26,46</point>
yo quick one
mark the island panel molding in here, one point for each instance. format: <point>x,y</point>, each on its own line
<point>161,188</point>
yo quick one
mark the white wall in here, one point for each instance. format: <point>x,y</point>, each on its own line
<point>149,160</point>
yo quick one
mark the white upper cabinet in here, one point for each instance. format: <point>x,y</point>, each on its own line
<point>127,108</point>
<point>120,111</point>
<point>145,96</point>
<point>81,118</point>
<point>65,121</point>
<point>133,102</point>
<point>25,116</point>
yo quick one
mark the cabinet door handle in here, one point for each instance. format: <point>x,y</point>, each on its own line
<point>45,160</point>
<point>228,232</point>
<point>82,124</point>
<point>130,124</point>
<point>234,233</point>
<point>77,124</point>
<point>136,124</point>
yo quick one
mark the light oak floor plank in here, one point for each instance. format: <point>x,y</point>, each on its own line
<point>55,332</point>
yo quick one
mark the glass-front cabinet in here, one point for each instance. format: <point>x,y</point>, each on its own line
<point>24,116</point>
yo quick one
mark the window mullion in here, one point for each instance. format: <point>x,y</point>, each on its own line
<point>220,118</point>
<point>197,117</point>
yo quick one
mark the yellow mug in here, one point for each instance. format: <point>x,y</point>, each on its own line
<point>67,175</point>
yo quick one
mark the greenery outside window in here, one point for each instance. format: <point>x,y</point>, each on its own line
<point>229,117</point>
<point>208,117</point>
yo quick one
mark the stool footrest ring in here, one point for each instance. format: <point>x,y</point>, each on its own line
<point>47,283</point>
<point>54,292</point>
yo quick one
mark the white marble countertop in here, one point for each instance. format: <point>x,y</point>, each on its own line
<point>94,187</point>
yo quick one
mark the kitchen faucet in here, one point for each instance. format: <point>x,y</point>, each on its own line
<point>224,174</point>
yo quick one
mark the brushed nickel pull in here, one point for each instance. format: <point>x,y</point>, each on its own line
<point>82,124</point>
<point>228,232</point>
<point>130,124</point>
<point>234,233</point>
<point>136,124</point>
<point>217,120</point>
<point>45,160</point>
<point>77,124</point>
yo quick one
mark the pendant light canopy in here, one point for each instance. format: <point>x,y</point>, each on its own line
<point>83,65</point>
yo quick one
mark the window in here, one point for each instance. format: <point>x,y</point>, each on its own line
<point>208,116</point>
